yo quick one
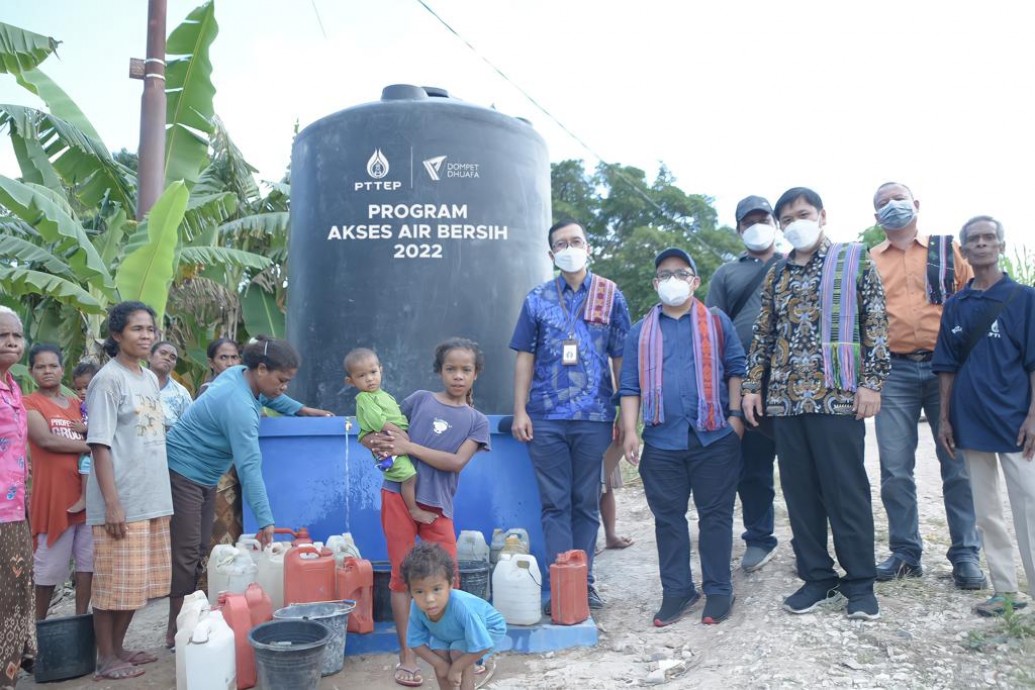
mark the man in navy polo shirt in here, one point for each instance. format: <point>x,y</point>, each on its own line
<point>985,359</point>
<point>682,370</point>
<point>569,340</point>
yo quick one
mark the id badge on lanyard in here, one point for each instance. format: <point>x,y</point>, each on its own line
<point>570,346</point>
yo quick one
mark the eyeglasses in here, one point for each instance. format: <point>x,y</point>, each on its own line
<point>682,274</point>
<point>576,242</point>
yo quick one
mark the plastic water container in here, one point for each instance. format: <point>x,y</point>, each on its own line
<point>299,536</point>
<point>342,546</point>
<point>220,558</point>
<point>471,546</point>
<point>517,587</point>
<point>271,572</point>
<point>522,536</point>
<point>210,660</point>
<point>355,581</point>
<point>194,607</point>
<point>499,535</point>
<point>260,607</point>
<point>569,588</point>
<point>251,545</point>
<point>308,575</point>
<point>234,608</point>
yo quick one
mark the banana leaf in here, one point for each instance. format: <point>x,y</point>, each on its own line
<point>189,92</point>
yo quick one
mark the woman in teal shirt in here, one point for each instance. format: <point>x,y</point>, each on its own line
<point>221,429</point>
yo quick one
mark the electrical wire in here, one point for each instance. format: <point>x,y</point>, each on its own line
<point>691,232</point>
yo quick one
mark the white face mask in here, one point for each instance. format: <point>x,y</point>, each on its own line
<point>803,233</point>
<point>674,292</point>
<point>759,237</point>
<point>571,260</point>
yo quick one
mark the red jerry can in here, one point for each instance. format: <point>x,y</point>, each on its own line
<point>569,588</point>
<point>355,579</point>
<point>308,575</point>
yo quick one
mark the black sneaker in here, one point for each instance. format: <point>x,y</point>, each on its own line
<point>673,608</point>
<point>717,608</point>
<point>811,596</point>
<point>595,602</point>
<point>895,568</point>
<point>863,607</point>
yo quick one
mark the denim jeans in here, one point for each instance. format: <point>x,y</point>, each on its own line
<point>568,460</point>
<point>910,388</point>
<point>710,474</point>
<point>757,452</point>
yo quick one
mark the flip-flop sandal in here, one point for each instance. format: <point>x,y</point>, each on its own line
<point>118,672</point>
<point>411,679</point>
<point>483,676</point>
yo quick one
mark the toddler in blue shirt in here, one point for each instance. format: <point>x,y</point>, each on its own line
<point>450,629</point>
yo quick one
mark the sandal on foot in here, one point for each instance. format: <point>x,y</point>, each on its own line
<point>483,672</point>
<point>121,671</point>
<point>409,677</point>
<point>139,658</point>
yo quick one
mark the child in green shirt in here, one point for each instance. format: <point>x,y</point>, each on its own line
<point>377,411</point>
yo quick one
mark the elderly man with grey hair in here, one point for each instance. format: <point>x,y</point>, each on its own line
<point>985,360</point>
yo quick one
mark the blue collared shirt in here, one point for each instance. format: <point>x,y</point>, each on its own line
<point>581,391</point>
<point>679,380</point>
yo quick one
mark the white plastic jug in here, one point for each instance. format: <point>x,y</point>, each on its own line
<point>271,572</point>
<point>517,587</point>
<point>248,542</point>
<point>342,546</point>
<point>243,572</point>
<point>471,546</point>
<point>522,536</point>
<point>498,537</point>
<point>218,577</point>
<point>194,607</point>
<point>211,661</point>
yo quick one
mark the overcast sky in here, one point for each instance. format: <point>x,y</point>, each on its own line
<point>736,98</point>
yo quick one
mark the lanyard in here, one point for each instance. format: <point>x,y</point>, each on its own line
<point>579,311</point>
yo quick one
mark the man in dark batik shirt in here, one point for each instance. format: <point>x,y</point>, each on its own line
<point>821,341</point>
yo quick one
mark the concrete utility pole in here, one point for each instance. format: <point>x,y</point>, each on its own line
<point>151,166</point>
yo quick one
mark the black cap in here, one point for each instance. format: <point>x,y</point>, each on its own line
<point>676,252</point>
<point>751,204</point>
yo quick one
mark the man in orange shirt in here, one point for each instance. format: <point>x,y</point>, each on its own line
<point>919,273</point>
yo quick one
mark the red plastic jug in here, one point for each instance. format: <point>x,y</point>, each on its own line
<point>299,536</point>
<point>260,608</point>
<point>308,575</point>
<point>355,579</point>
<point>569,588</point>
<point>234,608</point>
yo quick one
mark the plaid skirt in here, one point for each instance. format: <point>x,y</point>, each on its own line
<point>17,606</point>
<point>129,571</point>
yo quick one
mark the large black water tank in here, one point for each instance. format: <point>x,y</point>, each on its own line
<point>413,219</point>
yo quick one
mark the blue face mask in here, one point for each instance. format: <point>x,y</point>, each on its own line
<point>896,214</point>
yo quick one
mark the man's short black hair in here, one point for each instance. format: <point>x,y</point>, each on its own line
<point>792,195</point>
<point>562,223</point>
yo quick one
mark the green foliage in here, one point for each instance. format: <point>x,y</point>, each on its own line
<point>22,50</point>
<point>1021,266</point>
<point>147,270</point>
<point>871,236</point>
<point>629,219</point>
<point>189,92</point>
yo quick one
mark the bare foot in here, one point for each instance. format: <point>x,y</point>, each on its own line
<point>138,658</point>
<point>79,506</point>
<point>424,516</point>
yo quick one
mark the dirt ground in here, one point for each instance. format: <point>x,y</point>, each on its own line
<point>927,636</point>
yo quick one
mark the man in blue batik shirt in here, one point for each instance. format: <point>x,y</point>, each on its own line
<point>569,339</point>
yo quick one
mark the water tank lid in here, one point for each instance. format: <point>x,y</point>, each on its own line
<point>403,92</point>
<point>436,92</point>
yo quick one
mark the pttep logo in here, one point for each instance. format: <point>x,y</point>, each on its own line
<point>377,168</point>
<point>433,165</point>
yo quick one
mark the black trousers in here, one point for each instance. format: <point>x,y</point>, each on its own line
<point>824,480</point>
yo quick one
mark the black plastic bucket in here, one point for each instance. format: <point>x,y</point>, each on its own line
<point>335,616</point>
<point>474,578</point>
<point>382,594</point>
<point>66,648</point>
<point>288,653</point>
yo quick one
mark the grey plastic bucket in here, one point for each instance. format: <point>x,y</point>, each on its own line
<point>332,614</point>
<point>288,653</point>
<point>65,648</point>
